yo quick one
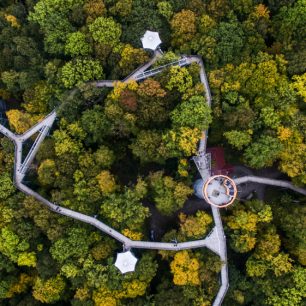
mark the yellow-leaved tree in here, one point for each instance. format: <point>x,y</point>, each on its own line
<point>185,269</point>
<point>106,182</point>
<point>20,121</point>
<point>195,226</point>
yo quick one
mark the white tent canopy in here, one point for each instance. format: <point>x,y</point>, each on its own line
<point>126,262</point>
<point>150,40</point>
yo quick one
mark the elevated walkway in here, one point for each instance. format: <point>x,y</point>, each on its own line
<point>268,181</point>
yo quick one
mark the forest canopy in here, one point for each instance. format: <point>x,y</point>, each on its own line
<point>123,154</point>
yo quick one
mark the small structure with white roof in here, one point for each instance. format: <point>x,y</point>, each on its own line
<point>126,262</point>
<point>151,40</point>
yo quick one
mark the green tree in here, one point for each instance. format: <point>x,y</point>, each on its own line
<point>183,26</point>
<point>168,194</point>
<point>195,227</point>
<point>74,245</point>
<point>77,45</point>
<point>263,152</point>
<point>105,31</point>
<point>6,186</point>
<point>53,19</point>
<point>49,291</point>
<point>37,98</point>
<point>16,249</point>
<point>64,143</point>
<point>229,42</point>
<point>238,139</point>
<point>125,210</point>
<point>179,79</point>
<point>146,146</point>
<point>194,113</point>
<point>47,172</point>
<point>291,220</point>
<point>79,71</point>
<point>95,124</point>
<point>104,157</point>
<point>165,9</point>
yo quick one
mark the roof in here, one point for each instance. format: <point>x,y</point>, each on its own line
<point>150,40</point>
<point>126,262</point>
<point>218,164</point>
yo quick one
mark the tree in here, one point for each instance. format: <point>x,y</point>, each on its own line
<point>106,182</point>
<point>76,44</point>
<point>292,295</point>
<point>12,20</point>
<point>195,227</point>
<point>152,105</point>
<point>165,9</point>
<point>181,142</point>
<point>290,219</point>
<point>47,172</point>
<point>146,146</point>
<point>37,98</point>
<point>21,121</point>
<point>94,9</point>
<point>105,31</point>
<point>125,210</point>
<point>52,17</point>
<point>75,245</point>
<point>179,79</point>
<point>292,157</point>
<point>122,8</point>
<point>79,71</point>
<point>194,113</point>
<point>6,186</point>
<point>64,143</point>
<point>16,249</point>
<point>269,117</point>
<point>49,291</point>
<point>288,24</point>
<point>185,269</point>
<point>168,194</point>
<point>244,222</point>
<point>95,124</point>
<point>151,88</point>
<point>238,139</point>
<point>104,157</point>
<point>183,26</point>
<point>131,58</point>
<point>229,42</point>
<point>299,85</point>
<point>263,152</point>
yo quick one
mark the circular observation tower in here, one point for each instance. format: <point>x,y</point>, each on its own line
<point>218,190</point>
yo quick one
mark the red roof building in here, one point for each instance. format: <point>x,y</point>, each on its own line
<point>218,165</point>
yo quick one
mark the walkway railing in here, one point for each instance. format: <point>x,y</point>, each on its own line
<point>149,73</point>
